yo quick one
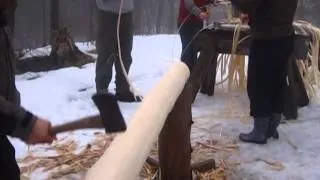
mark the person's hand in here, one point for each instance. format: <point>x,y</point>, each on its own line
<point>204,16</point>
<point>40,133</point>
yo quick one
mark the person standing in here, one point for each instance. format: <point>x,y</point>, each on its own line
<point>15,121</point>
<point>192,13</point>
<point>272,31</point>
<point>107,47</point>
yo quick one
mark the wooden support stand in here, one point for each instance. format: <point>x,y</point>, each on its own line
<point>295,94</point>
<point>212,42</point>
<point>204,73</point>
<point>174,140</point>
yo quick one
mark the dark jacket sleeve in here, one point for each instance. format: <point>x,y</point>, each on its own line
<point>246,6</point>
<point>15,120</point>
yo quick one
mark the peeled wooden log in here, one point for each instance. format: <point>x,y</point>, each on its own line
<point>126,155</point>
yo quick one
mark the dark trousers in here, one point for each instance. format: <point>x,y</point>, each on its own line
<point>8,165</point>
<point>107,49</point>
<point>189,51</point>
<point>267,70</point>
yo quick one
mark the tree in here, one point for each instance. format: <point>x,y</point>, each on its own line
<point>64,52</point>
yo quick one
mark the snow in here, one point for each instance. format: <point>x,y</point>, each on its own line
<point>64,95</point>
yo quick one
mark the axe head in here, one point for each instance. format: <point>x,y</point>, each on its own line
<point>110,113</point>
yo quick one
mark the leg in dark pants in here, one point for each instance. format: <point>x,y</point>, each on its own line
<point>267,75</point>
<point>280,81</point>
<point>106,44</point>
<point>266,78</point>
<point>126,41</point>
<point>8,165</point>
<point>187,34</point>
<point>107,48</point>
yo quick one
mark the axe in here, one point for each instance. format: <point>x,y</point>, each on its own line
<point>110,117</point>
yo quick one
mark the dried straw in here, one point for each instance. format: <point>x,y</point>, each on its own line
<point>67,161</point>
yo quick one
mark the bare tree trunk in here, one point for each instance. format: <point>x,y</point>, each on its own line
<point>64,53</point>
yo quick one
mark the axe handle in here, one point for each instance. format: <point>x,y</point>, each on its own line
<point>84,123</point>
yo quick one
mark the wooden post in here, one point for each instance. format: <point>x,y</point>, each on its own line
<point>174,140</point>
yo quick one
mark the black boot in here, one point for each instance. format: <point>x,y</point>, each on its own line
<point>259,132</point>
<point>124,94</point>
<point>273,125</point>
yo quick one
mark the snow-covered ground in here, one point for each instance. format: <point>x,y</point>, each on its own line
<point>65,94</point>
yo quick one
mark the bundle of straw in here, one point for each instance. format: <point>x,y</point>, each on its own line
<point>67,161</point>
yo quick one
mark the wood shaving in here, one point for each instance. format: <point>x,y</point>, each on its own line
<point>67,161</point>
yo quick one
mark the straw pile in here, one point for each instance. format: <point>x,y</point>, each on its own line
<point>309,67</point>
<point>69,160</point>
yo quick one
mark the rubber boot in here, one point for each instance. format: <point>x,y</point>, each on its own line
<point>259,133</point>
<point>273,125</point>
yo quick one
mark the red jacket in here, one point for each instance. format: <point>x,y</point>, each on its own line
<point>186,16</point>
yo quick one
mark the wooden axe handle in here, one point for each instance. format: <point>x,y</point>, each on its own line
<point>84,123</point>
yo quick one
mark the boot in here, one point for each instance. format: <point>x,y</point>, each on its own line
<point>259,132</point>
<point>124,94</point>
<point>273,125</point>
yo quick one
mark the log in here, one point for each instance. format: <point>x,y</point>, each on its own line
<point>126,155</point>
<point>174,140</point>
